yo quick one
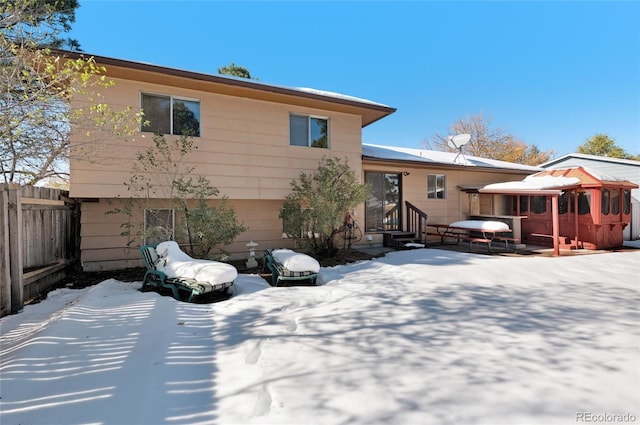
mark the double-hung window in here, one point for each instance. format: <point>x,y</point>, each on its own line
<point>170,115</point>
<point>436,188</point>
<point>310,131</point>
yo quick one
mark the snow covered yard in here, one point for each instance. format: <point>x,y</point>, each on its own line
<point>425,336</point>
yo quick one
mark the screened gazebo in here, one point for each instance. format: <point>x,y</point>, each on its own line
<point>571,208</point>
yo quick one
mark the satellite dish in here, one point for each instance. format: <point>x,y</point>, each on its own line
<point>458,141</point>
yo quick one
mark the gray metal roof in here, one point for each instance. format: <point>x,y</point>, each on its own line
<point>392,153</point>
<point>590,158</point>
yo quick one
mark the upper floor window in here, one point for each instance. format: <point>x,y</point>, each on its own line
<point>436,188</point>
<point>308,131</point>
<point>170,115</point>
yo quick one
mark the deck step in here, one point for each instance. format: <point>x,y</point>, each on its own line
<point>568,246</point>
<point>545,239</point>
<point>399,239</point>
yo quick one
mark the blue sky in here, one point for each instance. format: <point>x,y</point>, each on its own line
<point>551,73</point>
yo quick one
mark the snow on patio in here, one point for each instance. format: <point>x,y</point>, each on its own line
<point>425,336</point>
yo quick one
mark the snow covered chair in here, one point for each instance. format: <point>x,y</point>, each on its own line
<point>171,268</point>
<point>286,264</point>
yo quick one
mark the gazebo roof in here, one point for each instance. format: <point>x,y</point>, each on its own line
<point>553,181</point>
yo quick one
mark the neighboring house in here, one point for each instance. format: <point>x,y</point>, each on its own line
<point>625,169</point>
<point>254,139</point>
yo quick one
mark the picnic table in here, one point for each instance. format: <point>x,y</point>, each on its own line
<point>473,231</point>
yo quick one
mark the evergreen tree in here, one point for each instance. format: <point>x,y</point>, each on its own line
<point>39,22</point>
<point>236,71</point>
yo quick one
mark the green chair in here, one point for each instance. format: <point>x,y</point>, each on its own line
<point>280,273</point>
<point>182,288</point>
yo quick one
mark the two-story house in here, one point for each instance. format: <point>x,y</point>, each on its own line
<point>253,139</point>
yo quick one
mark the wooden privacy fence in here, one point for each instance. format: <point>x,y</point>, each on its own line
<point>39,242</point>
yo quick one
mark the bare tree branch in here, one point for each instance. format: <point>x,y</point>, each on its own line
<point>489,142</point>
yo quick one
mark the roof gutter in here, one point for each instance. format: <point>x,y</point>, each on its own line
<point>244,83</point>
<point>522,191</point>
<point>424,164</point>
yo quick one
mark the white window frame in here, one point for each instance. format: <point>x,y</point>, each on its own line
<point>441,186</point>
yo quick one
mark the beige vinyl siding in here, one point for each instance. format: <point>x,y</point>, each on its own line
<point>456,205</point>
<point>104,249</point>
<point>243,149</point>
<point>244,146</point>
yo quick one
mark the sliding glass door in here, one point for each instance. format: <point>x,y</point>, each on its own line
<point>383,210</point>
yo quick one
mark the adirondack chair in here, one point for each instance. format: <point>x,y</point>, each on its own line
<point>286,264</point>
<point>187,278</point>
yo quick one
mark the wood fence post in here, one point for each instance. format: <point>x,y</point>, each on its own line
<point>5,262</point>
<point>15,248</point>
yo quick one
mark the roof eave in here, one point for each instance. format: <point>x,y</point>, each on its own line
<point>380,111</point>
<point>447,165</point>
<point>589,157</point>
<point>523,191</point>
